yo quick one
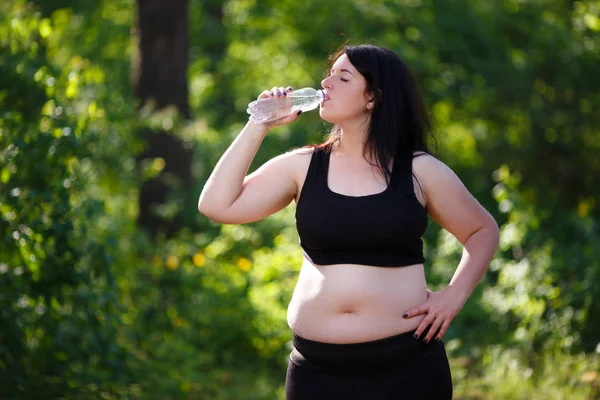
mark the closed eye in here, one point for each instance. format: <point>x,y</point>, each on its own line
<point>341,79</point>
<point>332,72</point>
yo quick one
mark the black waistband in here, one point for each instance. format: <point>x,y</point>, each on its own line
<point>401,341</point>
<point>361,357</point>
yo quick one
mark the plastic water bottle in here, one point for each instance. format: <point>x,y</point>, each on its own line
<point>270,109</point>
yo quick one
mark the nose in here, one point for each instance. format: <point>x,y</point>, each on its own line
<point>325,83</point>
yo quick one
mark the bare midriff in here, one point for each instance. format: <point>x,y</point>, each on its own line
<point>349,303</point>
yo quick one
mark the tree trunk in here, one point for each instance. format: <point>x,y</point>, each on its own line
<point>160,79</point>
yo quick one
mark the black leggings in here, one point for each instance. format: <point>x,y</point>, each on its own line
<point>393,368</point>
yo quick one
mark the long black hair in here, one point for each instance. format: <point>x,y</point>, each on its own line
<point>400,123</point>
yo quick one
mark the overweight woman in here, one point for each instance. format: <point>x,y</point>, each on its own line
<point>364,324</point>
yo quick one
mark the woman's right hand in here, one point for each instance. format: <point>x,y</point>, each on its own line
<point>277,92</point>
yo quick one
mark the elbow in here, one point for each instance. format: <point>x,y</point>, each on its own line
<point>202,209</point>
<point>487,234</point>
<point>213,213</point>
<point>494,232</point>
<point>210,214</point>
<point>494,225</point>
<point>208,211</point>
<point>206,208</point>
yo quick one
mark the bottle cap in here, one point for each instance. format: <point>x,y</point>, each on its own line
<point>322,95</point>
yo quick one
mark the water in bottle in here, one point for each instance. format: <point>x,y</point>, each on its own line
<point>265,110</point>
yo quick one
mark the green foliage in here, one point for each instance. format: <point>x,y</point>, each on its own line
<point>92,309</point>
<point>60,314</point>
<point>508,373</point>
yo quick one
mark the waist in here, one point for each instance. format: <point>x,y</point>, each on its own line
<point>368,356</point>
<point>349,303</point>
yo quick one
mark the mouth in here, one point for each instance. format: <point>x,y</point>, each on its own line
<point>327,98</point>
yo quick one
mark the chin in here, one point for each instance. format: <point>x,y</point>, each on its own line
<point>325,115</point>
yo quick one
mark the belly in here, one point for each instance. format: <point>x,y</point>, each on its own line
<point>350,303</point>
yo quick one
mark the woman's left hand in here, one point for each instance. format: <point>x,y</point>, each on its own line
<point>440,309</point>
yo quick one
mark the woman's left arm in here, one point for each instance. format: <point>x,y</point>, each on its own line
<point>451,205</point>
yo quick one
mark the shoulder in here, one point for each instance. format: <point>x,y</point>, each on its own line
<point>293,163</point>
<point>438,182</point>
<point>297,164</point>
<point>292,157</point>
<point>429,168</point>
<point>297,156</point>
<point>449,202</point>
<point>300,159</point>
<point>303,151</point>
<point>434,178</point>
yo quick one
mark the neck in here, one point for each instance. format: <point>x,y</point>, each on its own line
<point>353,137</point>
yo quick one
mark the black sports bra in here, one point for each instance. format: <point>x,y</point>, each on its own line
<point>382,229</point>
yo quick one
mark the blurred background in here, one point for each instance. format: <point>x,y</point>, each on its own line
<point>114,112</point>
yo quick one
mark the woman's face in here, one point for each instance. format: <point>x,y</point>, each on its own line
<point>347,98</point>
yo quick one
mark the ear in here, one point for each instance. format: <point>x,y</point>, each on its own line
<point>370,97</point>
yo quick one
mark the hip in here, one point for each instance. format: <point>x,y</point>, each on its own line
<point>394,367</point>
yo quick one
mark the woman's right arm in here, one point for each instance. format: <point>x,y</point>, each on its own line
<point>231,197</point>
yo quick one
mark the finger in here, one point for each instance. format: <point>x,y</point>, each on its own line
<point>423,326</point>
<point>433,329</point>
<point>265,94</point>
<point>276,91</point>
<point>442,331</point>
<point>291,118</point>
<point>283,91</point>
<point>422,309</point>
<point>286,120</point>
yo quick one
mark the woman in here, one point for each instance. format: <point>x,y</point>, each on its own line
<point>365,326</point>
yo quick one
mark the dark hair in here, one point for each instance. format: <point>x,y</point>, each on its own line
<point>399,121</point>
